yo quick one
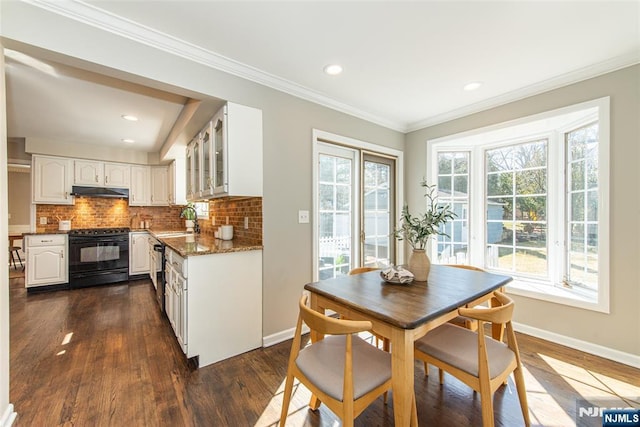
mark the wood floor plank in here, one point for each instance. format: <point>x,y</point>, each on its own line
<point>122,366</point>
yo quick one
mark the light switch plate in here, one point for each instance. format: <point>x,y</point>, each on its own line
<point>303,217</point>
<point>43,220</point>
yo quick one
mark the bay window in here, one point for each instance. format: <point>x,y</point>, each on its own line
<point>530,196</point>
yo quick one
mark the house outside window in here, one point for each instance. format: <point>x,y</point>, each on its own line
<point>530,198</point>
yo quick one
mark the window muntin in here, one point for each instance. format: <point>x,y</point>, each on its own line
<point>516,208</point>
<point>582,206</point>
<point>453,190</point>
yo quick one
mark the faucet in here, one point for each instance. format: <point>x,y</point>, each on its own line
<point>196,226</point>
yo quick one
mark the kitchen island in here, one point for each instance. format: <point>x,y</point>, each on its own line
<point>213,295</point>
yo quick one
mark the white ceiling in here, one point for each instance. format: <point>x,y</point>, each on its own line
<point>405,63</point>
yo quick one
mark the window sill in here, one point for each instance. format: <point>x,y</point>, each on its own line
<point>576,297</point>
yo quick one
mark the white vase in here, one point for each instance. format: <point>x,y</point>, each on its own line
<point>189,224</point>
<point>419,265</point>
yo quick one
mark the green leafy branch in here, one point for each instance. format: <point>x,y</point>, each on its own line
<point>417,230</point>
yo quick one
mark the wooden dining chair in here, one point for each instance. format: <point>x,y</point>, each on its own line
<point>342,370</point>
<point>462,321</point>
<point>481,362</point>
<point>385,341</point>
<point>465,322</point>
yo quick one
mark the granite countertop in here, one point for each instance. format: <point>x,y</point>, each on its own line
<point>201,244</point>
<point>188,244</point>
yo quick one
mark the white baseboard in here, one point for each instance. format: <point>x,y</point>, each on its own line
<point>8,417</point>
<point>595,349</point>
<point>281,336</point>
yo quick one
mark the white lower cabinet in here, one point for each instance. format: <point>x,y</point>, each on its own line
<point>176,297</point>
<point>138,253</point>
<point>214,303</point>
<point>46,260</point>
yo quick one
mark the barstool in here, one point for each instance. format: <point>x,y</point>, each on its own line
<point>15,249</point>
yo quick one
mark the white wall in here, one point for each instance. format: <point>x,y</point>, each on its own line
<point>619,330</point>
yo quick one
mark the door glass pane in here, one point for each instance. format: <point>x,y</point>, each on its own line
<point>377,187</point>
<point>335,192</point>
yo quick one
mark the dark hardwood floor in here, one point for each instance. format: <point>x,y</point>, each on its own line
<point>105,356</point>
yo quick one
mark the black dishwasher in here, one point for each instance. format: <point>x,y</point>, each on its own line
<point>158,248</point>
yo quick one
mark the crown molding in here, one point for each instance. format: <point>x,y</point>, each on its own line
<point>101,19</point>
<point>566,79</point>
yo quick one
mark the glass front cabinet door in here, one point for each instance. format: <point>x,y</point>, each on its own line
<point>219,157</point>
<point>190,171</point>
<point>207,161</point>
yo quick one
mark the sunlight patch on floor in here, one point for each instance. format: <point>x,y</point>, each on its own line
<point>544,409</point>
<point>590,383</point>
<point>298,407</point>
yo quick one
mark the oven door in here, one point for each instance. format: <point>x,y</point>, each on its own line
<point>97,260</point>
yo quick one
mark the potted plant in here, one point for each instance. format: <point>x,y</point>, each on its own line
<point>416,230</point>
<point>189,214</point>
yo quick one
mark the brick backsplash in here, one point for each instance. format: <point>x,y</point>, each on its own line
<point>236,209</point>
<point>96,212</point>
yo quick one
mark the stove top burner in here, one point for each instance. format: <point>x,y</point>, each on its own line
<point>98,231</point>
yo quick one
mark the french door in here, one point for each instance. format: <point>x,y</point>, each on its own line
<point>355,193</point>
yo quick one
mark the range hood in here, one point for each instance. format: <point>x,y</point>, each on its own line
<point>122,193</point>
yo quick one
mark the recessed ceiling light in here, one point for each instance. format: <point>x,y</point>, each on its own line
<point>129,140</point>
<point>333,69</point>
<point>472,86</point>
<point>129,117</point>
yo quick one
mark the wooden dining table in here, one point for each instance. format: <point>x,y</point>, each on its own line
<point>404,313</point>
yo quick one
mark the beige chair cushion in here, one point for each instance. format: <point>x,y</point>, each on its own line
<point>459,347</point>
<point>323,364</point>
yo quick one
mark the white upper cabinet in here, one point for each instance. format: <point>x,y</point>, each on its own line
<point>242,141</point>
<point>117,175</point>
<point>190,172</point>
<point>52,180</point>
<point>207,160</point>
<point>140,193</point>
<point>160,185</point>
<point>225,159</point>
<point>101,174</point>
<point>177,182</point>
<point>86,172</point>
